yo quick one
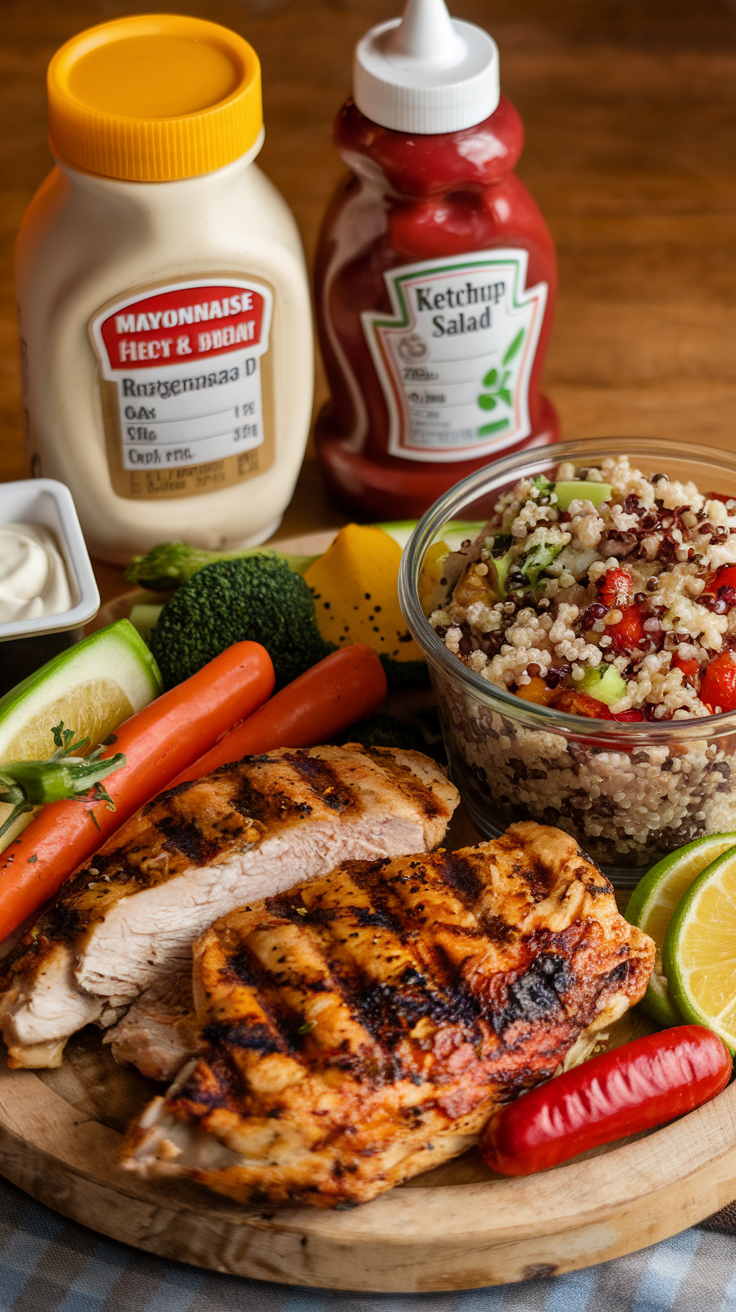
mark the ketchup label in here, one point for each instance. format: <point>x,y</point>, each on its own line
<point>455,355</point>
<point>183,385</point>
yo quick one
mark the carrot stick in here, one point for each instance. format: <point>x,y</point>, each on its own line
<point>158,742</point>
<point>328,698</point>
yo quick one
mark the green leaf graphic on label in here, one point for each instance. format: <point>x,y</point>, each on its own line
<point>498,427</point>
<point>513,349</point>
<point>456,383</point>
<point>489,400</point>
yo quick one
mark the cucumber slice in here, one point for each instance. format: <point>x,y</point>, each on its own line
<point>92,687</point>
<point>581,491</point>
<point>604,683</point>
<point>457,531</point>
<point>400,531</point>
<point>454,533</point>
<point>144,617</point>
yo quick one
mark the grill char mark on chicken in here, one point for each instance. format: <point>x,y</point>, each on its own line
<point>361,1028</point>
<point>324,781</point>
<point>195,852</point>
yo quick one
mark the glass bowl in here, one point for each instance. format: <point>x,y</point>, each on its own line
<point>630,793</point>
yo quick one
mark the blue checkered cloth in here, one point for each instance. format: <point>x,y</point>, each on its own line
<point>48,1264</point>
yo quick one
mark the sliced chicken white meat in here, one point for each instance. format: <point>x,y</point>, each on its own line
<point>159,1031</point>
<point>248,831</point>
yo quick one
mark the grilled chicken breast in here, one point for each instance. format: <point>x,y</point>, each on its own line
<point>159,1031</point>
<point>249,830</point>
<point>362,1027</point>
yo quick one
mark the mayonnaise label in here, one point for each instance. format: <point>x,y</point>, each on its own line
<point>455,354</point>
<point>184,407</point>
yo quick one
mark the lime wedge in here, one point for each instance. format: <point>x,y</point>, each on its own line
<point>654,900</point>
<point>92,687</point>
<point>700,950</point>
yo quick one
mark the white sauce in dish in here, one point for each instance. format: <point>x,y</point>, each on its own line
<point>33,578</point>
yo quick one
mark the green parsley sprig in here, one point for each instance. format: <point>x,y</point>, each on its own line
<point>25,785</point>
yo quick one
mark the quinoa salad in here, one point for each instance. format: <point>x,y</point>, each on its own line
<point>611,596</point>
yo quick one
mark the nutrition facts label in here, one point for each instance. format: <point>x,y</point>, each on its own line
<point>456,353</point>
<point>185,361</point>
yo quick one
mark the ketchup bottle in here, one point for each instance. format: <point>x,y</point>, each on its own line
<point>435,274</point>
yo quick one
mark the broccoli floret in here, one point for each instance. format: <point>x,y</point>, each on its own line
<point>255,597</point>
<point>383,730</point>
<point>404,674</point>
<point>538,559</point>
<point>173,563</point>
<point>542,484</point>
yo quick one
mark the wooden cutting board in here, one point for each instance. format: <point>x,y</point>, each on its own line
<point>457,1227</point>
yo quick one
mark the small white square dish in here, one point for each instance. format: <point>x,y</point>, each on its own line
<point>48,502</point>
<point>26,644</point>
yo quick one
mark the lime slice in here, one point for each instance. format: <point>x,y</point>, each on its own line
<point>700,950</point>
<point>654,900</point>
<point>92,687</point>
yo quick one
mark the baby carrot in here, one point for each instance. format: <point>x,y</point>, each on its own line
<point>158,742</point>
<point>323,701</point>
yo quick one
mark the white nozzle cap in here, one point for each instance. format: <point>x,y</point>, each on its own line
<point>426,72</point>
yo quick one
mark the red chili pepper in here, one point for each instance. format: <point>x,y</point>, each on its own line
<point>629,633</point>
<point>615,587</point>
<point>718,685</point>
<point>579,703</point>
<point>634,1088</point>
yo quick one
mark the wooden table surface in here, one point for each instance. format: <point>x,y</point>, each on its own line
<point>630,116</point>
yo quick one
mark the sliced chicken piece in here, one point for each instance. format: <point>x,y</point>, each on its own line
<point>159,1032</point>
<point>247,831</point>
<point>362,1027</point>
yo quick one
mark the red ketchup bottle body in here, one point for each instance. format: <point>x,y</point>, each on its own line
<point>435,285</point>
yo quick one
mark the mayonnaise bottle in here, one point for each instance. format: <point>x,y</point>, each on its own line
<point>164,304</point>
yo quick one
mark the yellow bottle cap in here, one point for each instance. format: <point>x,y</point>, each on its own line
<point>154,97</point>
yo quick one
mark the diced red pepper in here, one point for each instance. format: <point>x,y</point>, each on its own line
<point>579,703</point>
<point>725,577</point>
<point>629,717</point>
<point>718,686</point>
<point>689,668</point>
<point>615,587</point>
<point>629,633</point>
